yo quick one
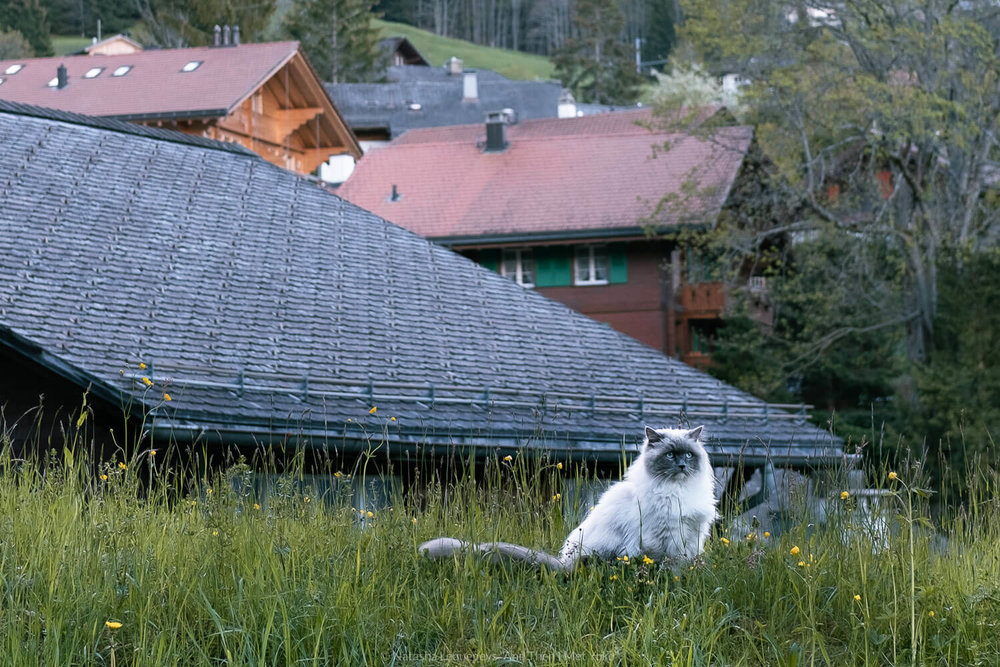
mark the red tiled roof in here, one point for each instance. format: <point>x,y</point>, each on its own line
<point>154,86</point>
<point>594,173</point>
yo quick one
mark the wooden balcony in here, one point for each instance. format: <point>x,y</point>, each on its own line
<point>699,360</point>
<point>702,300</point>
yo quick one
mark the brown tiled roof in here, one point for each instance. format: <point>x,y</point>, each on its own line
<point>596,173</point>
<point>156,86</point>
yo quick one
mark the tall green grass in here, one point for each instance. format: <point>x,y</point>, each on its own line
<point>199,569</point>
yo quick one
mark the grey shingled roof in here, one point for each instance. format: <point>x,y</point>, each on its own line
<point>387,105</point>
<point>268,306</point>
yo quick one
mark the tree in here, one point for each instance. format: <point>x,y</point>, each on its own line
<point>28,18</point>
<point>68,17</point>
<point>595,63</point>
<point>14,45</point>
<point>881,118</point>
<point>337,36</point>
<point>660,34</point>
<point>179,23</point>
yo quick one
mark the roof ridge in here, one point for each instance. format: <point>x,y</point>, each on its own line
<point>121,127</point>
<point>556,137</point>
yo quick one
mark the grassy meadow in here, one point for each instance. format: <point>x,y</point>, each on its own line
<point>135,561</point>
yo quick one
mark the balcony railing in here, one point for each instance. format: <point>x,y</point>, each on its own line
<point>703,300</point>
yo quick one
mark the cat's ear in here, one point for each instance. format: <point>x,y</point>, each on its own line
<point>695,433</point>
<point>653,436</point>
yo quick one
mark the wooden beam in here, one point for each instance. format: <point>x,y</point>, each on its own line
<point>276,125</point>
<point>314,157</point>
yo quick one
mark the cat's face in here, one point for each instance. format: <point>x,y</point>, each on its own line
<point>674,454</point>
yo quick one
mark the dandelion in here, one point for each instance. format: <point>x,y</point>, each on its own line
<point>112,625</point>
<point>121,464</point>
<point>508,458</point>
<point>795,551</point>
<point>167,397</point>
<point>559,466</point>
<point>146,381</point>
<point>724,541</point>
<point>844,495</point>
<point>931,613</point>
<point>373,410</point>
<point>767,534</point>
<point>893,476</point>
<point>857,598</point>
<point>142,366</point>
<point>392,419</point>
<point>647,560</point>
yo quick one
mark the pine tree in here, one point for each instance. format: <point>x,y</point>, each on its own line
<point>595,63</point>
<point>337,36</point>
<point>177,23</point>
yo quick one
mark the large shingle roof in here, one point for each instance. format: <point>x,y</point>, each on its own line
<point>267,306</point>
<point>595,173</point>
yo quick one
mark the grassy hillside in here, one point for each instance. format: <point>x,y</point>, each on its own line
<point>437,50</point>
<point>132,562</point>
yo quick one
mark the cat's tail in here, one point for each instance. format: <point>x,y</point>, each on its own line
<point>442,547</point>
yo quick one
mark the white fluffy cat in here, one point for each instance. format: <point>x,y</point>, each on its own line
<point>663,508</point>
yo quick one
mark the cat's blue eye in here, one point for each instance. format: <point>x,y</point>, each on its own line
<point>687,455</point>
<point>670,455</point>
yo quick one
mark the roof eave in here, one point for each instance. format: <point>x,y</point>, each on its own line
<point>623,233</point>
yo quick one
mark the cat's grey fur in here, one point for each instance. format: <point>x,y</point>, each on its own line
<point>663,508</point>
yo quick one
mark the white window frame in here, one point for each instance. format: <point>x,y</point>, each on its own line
<point>93,73</point>
<point>192,66</point>
<point>519,273</point>
<point>122,70</point>
<point>585,255</point>
<point>13,69</point>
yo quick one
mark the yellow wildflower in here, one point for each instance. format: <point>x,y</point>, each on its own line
<point>122,465</point>
<point>931,613</point>
<point>112,625</point>
<point>857,598</point>
<point>152,452</point>
<point>208,490</point>
<point>337,474</point>
<point>142,366</point>
<point>146,381</point>
<point>614,577</point>
<point>256,506</point>
<point>307,498</point>
<point>215,533</point>
<point>557,497</point>
<point>369,515</point>
<point>392,419</point>
<point>844,495</point>
<point>167,397</point>
<point>508,458</point>
<point>794,551</point>
<point>559,466</point>
<point>802,563</point>
<point>893,475</point>
<point>413,521</point>
<point>647,560</point>
<point>373,410</point>
<point>724,541</point>
<point>676,578</point>
<point>767,533</point>
<point>104,478</point>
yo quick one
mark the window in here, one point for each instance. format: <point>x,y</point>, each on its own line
<point>13,69</point>
<point>53,82</point>
<point>519,266</point>
<point>191,66</point>
<point>1,80</point>
<point>590,265</point>
<point>122,71</point>
<point>93,72</point>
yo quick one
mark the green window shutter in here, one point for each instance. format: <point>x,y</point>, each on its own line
<point>553,266</point>
<point>617,264</point>
<point>490,259</point>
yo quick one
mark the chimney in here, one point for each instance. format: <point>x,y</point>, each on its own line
<point>454,66</point>
<point>225,35</point>
<point>218,36</point>
<point>236,35</point>
<point>496,132</point>
<point>567,105</point>
<point>470,86</point>
<point>61,77</point>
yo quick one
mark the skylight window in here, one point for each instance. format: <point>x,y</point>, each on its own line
<point>191,66</point>
<point>1,80</point>
<point>122,71</point>
<point>93,72</point>
<point>13,69</point>
<point>53,82</point>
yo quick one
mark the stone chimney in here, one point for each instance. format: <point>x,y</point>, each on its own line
<point>567,105</point>
<point>454,66</point>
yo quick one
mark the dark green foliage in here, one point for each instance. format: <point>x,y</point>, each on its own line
<point>660,39</point>
<point>337,36</point>
<point>177,23</point>
<point>596,63</point>
<point>13,45</point>
<point>27,17</point>
<point>958,406</point>
<point>79,17</point>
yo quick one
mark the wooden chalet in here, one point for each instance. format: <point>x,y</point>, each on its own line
<point>265,97</point>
